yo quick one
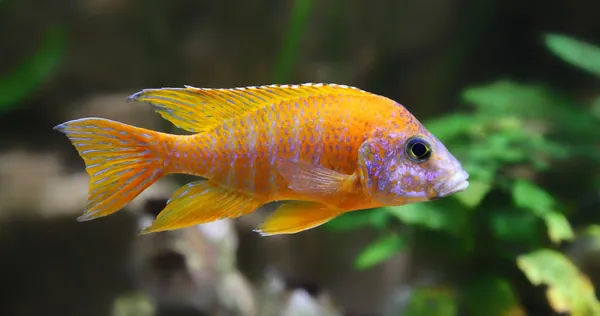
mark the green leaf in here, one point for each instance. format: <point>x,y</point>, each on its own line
<point>575,52</point>
<point>516,227</point>
<point>450,126</point>
<point>379,251</point>
<point>33,71</point>
<point>506,101</point>
<point>432,215</point>
<point>483,169</point>
<point>474,194</point>
<point>379,218</point>
<point>592,231</point>
<point>359,219</point>
<point>349,221</point>
<point>491,296</point>
<point>528,195</point>
<point>559,228</point>
<point>432,302</point>
<point>569,291</point>
<point>506,98</point>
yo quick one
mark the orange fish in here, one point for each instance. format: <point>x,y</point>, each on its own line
<point>322,149</point>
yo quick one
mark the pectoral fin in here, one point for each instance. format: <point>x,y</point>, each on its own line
<point>307,178</point>
<point>296,216</point>
<point>202,202</point>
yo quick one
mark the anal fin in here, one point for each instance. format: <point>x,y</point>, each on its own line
<point>296,216</point>
<point>202,202</point>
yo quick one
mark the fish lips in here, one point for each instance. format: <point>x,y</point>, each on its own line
<point>456,183</point>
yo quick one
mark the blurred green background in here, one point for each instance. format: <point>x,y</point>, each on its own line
<point>511,87</point>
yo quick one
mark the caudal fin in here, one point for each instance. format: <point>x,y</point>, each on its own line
<point>121,160</point>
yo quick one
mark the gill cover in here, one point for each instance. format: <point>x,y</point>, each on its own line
<point>391,176</point>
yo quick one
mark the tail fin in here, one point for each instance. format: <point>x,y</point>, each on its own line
<point>121,160</point>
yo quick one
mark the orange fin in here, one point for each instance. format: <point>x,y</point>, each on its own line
<point>202,202</point>
<point>297,216</point>
<point>197,109</point>
<point>120,159</point>
<point>307,178</point>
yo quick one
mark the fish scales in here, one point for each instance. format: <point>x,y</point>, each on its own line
<point>315,129</point>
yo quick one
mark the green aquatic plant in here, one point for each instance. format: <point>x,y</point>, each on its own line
<point>513,134</point>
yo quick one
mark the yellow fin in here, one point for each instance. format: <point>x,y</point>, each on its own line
<point>296,216</point>
<point>121,160</point>
<point>202,202</point>
<point>197,109</point>
<point>307,178</point>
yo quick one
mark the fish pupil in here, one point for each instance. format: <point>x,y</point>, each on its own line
<point>418,149</point>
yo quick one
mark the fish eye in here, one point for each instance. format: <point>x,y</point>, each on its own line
<point>418,149</point>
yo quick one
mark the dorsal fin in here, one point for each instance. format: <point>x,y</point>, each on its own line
<point>196,109</point>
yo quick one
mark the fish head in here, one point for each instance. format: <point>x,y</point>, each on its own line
<point>403,168</point>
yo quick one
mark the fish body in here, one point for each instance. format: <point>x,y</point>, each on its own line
<point>323,149</point>
<point>245,152</point>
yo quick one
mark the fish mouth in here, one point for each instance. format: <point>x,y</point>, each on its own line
<point>456,183</point>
